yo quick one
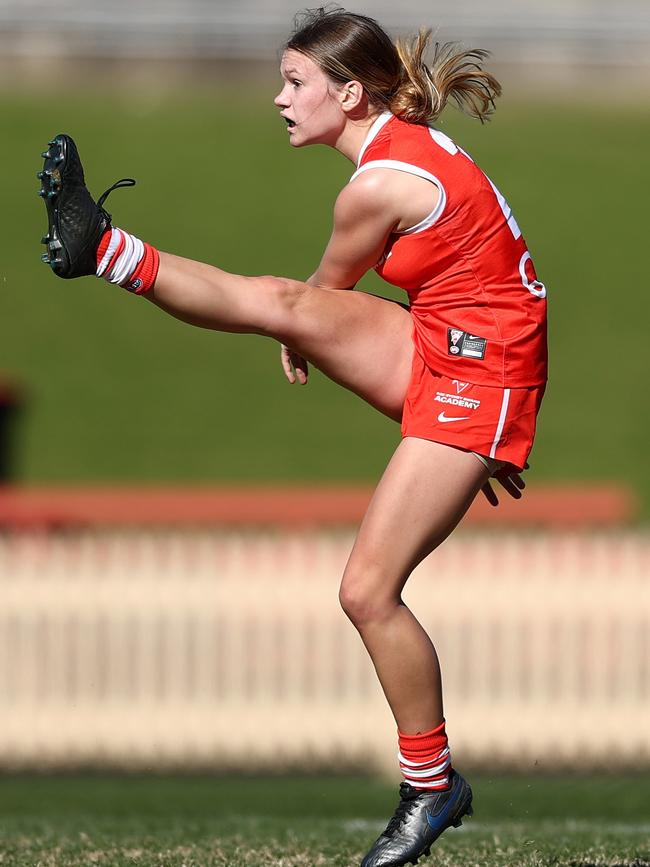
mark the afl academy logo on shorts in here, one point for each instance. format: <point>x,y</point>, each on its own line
<point>465,345</point>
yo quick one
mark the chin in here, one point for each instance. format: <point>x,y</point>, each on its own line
<point>297,142</point>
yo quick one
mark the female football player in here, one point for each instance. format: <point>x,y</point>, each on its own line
<point>463,369</point>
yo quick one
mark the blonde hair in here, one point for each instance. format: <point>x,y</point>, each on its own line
<point>453,73</point>
<point>396,76</point>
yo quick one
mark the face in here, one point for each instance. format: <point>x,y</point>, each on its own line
<point>308,102</point>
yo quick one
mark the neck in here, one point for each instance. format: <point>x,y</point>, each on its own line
<point>351,140</point>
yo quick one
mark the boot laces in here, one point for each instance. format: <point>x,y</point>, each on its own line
<point>124,182</point>
<point>408,794</point>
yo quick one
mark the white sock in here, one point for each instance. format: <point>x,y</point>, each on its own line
<point>122,257</point>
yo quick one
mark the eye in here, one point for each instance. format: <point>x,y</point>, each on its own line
<point>296,83</point>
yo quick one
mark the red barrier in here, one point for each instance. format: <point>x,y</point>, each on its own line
<point>558,506</point>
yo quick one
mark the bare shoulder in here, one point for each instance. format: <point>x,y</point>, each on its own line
<point>400,198</point>
<point>370,193</point>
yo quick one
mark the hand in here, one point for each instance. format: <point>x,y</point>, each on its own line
<point>294,366</point>
<point>511,482</point>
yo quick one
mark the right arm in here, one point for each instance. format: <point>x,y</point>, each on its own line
<point>365,215</point>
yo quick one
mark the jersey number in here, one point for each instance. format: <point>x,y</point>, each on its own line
<point>534,286</point>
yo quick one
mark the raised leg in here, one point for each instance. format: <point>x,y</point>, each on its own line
<point>424,492</point>
<point>358,340</point>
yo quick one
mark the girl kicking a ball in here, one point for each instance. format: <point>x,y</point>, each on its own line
<point>463,369</point>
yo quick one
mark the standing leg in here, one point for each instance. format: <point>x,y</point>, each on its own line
<point>425,491</point>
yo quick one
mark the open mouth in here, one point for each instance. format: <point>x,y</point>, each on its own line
<point>290,123</point>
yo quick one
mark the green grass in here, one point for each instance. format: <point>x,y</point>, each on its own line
<point>285,822</point>
<point>119,392</point>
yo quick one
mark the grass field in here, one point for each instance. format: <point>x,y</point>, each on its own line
<point>312,822</point>
<point>119,392</point>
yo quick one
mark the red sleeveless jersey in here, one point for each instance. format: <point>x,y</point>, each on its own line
<point>478,309</point>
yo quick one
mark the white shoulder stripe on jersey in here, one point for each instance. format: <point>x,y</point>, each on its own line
<point>383,118</point>
<point>443,140</point>
<point>421,173</point>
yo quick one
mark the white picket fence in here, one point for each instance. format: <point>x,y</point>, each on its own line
<point>224,650</point>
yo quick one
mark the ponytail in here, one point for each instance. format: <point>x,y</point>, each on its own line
<point>453,73</point>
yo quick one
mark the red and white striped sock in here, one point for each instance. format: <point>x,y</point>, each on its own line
<point>127,261</point>
<point>424,758</point>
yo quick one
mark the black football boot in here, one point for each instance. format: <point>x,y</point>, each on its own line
<point>76,222</point>
<point>420,818</point>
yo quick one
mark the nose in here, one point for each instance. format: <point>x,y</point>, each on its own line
<point>281,99</point>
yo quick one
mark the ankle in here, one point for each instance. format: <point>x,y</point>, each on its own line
<point>126,261</point>
<point>425,759</point>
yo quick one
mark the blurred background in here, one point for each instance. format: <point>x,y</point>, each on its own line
<point>175,517</point>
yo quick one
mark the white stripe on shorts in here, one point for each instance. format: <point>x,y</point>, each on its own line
<point>502,421</point>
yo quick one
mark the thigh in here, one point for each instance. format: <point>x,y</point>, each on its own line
<point>359,340</point>
<point>423,494</point>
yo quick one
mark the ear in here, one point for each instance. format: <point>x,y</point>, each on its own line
<point>351,94</point>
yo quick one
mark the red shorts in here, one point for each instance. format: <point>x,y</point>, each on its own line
<point>497,423</point>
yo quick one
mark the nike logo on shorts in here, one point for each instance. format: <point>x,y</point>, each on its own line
<point>442,417</point>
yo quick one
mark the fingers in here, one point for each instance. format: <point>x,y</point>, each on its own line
<point>515,478</point>
<point>285,358</point>
<point>489,494</point>
<point>301,368</point>
<point>511,482</point>
<point>295,366</point>
<point>509,485</point>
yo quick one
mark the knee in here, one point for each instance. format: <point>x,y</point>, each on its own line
<point>364,602</point>
<point>282,296</point>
